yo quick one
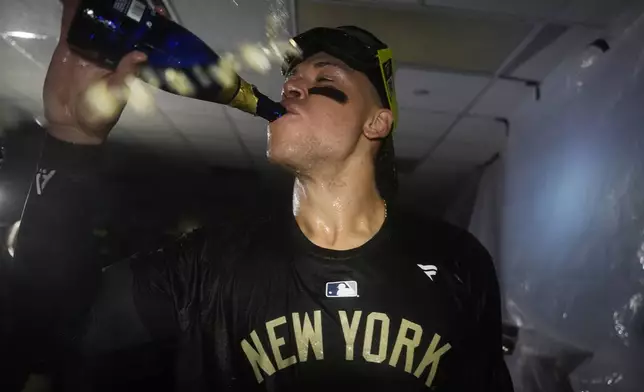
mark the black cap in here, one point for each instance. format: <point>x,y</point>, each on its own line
<point>364,52</point>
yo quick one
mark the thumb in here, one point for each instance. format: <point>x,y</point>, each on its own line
<point>128,67</point>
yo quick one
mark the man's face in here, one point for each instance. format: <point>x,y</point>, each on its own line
<point>328,105</point>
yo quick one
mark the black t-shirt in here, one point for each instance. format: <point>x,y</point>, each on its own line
<point>252,304</point>
<point>255,306</point>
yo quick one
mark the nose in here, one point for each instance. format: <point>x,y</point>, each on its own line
<point>294,88</point>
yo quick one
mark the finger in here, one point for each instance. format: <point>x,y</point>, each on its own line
<point>128,67</point>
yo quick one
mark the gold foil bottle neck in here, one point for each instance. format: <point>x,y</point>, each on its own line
<point>245,99</point>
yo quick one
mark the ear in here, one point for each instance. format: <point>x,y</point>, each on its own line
<point>378,125</point>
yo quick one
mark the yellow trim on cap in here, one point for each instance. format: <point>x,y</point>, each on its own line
<point>385,55</point>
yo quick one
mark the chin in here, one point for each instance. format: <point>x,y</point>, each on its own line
<point>283,142</point>
<point>276,157</point>
<point>284,158</point>
<point>275,131</point>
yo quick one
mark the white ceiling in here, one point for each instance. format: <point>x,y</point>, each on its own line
<point>447,92</point>
<point>589,12</point>
<point>448,118</point>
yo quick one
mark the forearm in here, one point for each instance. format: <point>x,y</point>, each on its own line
<point>57,270</point>
<point>70,304</point>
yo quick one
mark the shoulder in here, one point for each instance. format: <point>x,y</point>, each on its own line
<point>440,235</point>
<point>242,226</point>
<point>231,239</point>
<point>454,247</point>
<point>222,236</point>
<point>469,266</point>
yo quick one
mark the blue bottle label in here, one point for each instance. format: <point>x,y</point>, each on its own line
<point>133,9</point>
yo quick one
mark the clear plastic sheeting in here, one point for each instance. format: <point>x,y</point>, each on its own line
<point>563,213</point>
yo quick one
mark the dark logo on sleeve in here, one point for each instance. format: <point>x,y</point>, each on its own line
<point>42,178</point>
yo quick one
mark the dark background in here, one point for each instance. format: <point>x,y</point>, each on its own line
<point>146,198</point>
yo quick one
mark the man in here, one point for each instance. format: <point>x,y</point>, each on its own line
<point>335,294</point>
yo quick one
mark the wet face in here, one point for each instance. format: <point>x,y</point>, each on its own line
<point>334,113</point>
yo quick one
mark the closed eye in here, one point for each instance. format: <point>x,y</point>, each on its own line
<point>323,79</point>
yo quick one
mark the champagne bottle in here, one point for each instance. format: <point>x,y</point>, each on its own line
<point>104,31</point>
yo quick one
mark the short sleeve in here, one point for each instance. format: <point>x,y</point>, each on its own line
<point>490,372</point>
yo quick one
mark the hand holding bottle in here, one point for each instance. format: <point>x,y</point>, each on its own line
<point>72,117</point>
<point>178,61</point>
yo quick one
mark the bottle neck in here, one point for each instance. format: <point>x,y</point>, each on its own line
<point>244,98</point>
<point>250,100</point>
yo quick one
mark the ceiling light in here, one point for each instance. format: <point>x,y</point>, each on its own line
<point>23,35</point>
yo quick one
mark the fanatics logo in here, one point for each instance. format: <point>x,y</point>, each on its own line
<point>343,289</point>
<point>430,270</point>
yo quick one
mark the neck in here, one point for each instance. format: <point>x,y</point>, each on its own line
<point>341,210</point>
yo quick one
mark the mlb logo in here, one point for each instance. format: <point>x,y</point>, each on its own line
<point>343,289</point>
